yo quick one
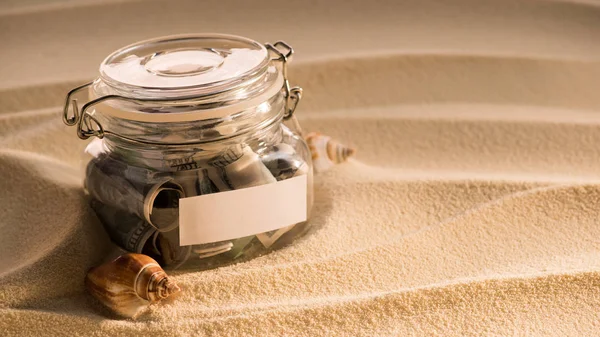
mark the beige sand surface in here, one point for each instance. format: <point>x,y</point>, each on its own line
<point>471,207</point>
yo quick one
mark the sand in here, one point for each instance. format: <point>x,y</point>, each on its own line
<point>471,207</point>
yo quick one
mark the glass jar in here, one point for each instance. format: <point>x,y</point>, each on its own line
<point>192,162</point>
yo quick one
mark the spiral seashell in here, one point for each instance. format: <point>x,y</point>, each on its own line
<point>129,284</point>
<point>326,151</point>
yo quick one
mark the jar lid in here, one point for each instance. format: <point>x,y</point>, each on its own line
<point>184,65</point>
<point>183,78</point>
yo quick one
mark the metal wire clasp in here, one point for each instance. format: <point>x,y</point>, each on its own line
<point>82,118</point>
<point>294,94</point>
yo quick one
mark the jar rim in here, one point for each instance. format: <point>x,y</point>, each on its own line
<point>225,110</point>
<point>178,66</point>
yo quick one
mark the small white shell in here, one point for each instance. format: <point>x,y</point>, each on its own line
<point>326,151</point>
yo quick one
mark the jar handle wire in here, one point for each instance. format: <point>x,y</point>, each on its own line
<point>284,53</point>
<point>83,117</point>
<point>70,101</point>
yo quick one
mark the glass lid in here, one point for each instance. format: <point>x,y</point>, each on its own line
<point>184,65</point>
<point>185,78</point>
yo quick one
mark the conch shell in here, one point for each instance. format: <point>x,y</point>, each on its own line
<point>326,152</point>
<point>129,284</point>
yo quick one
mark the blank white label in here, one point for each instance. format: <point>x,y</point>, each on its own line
<point>249,211</point>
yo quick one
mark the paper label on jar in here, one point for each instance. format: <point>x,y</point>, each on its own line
<point>238,213</point>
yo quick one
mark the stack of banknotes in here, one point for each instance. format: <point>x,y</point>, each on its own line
<point>138,204</point>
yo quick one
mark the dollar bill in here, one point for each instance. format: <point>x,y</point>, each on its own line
<point>239,167</point>
<point>134,190</point>
<point>172,253</point>
<point>283,162</point>
<point>269,238</point>
<point>192,177</point>
<point>125,229</point>
<point>241,246</point>
<point>212,249</point>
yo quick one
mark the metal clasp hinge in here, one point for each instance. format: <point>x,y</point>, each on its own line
<point>284,53</point>
<point>82,118</point>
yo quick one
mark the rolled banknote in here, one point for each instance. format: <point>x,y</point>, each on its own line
<point>205,185</point>
<point>189,181</point>
<point>135,190</point>
<point>125,229</point>
<point>283,162</point>
<point>195,182</point>
<point>239,167</point>
<point>173,254</point>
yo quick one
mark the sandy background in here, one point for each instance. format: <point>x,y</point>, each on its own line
<point>471,207</point>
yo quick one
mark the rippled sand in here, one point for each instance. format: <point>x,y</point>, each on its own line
<point>471,207</point>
